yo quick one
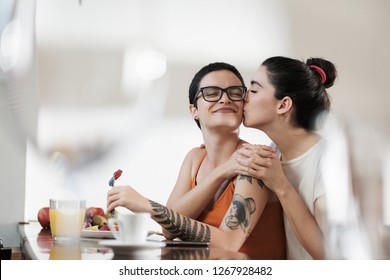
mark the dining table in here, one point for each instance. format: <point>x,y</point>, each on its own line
<point>37,244</point>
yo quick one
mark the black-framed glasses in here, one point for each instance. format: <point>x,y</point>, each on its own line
<point>214,94</point>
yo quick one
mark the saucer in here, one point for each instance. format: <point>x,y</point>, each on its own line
<point>121,248</point>
<point>96,233</point>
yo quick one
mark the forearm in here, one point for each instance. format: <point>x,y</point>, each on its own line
<point>302,222</point>
<point>177,225</point>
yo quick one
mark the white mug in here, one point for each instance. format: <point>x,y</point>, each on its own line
<point>132,227</point>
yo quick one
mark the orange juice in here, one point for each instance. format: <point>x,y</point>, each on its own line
<point>66,220</point>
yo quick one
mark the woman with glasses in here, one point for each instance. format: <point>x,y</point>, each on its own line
<point>209,203</point>
<point>285,98</point>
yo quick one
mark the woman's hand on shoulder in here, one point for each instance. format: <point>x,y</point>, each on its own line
<point>231,166</point>
<point>253,151</point>
<point>251,158</point>
<point>260,161</point>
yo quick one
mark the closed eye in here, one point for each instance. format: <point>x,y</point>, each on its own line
<point>254,84</point>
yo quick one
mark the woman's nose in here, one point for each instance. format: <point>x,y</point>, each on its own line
<point>225,98</point>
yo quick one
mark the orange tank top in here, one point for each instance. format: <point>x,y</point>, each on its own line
<point>267,240</point>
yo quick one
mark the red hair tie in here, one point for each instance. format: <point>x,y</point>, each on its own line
<point>321,72</point>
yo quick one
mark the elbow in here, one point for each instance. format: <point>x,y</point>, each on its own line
<point>318,255</point>
<point>318,252</point>
<point>229,244</point>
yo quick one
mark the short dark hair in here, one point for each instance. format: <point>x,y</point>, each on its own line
<point>215,66</point>
<point>303,84</point>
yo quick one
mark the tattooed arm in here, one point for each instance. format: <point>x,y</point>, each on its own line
<point>249,200</point>
<point>176,224</point>
<point>245,210</point>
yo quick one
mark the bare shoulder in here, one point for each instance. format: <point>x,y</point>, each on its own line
<point>195,154</point>
<point>197,150</point>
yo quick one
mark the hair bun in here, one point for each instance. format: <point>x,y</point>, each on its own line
<point>327,67</point>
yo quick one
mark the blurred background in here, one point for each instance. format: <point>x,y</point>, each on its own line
<point>102,85</point>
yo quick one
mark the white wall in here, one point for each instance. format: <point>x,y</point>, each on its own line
<point>354,35</point>
<point>12,174</point>
<point>18,105</point>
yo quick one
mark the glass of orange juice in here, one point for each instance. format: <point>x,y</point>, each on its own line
<point>66,219</point>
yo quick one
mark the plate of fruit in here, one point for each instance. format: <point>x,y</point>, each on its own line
<point>95,224</point>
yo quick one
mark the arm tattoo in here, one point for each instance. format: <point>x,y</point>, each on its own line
<point>240,212</point>
<point>249,179</point>
<point>183,227</point>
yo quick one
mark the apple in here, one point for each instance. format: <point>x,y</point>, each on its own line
<point>95,211</point>
<point>44,217</point>
<point>92,211</point>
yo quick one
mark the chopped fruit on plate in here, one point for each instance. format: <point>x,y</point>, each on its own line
<point>104,227</point>
<point>92,228</point>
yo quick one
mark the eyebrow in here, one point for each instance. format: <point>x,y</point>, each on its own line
<point>255,83</point>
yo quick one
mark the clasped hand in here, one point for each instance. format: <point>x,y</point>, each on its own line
<point>260,161</point>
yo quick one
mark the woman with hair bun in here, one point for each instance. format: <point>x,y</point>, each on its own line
<point>285,98</point>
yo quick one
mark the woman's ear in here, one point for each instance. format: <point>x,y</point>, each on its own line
<point>284,105</point>
<point>193,111</point>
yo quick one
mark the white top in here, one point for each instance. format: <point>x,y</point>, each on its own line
<point>304,173</point>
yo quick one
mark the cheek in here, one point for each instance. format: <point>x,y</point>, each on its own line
<point>262,104</point>
<point>241,108</point>
<point>202,110</point>
<point>254,105</point>
<point>255,111</point>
